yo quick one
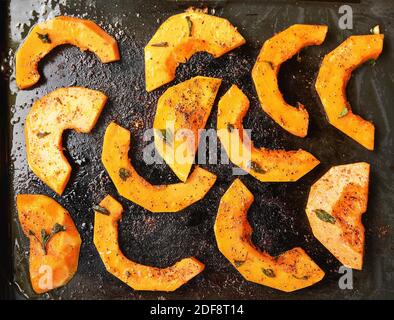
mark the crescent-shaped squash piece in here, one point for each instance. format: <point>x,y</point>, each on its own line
<point>61,30</point>
<point>181,36</point>
<point>130,185</point>
<point>54,241</point>
<point>263,164</point>
<point>135,275</point>
<point>291,270</point>
<point>274,52</point>
<point>65,108</point>
<point>334,74</point>
<point>335,205</point>
<point>181,112</point>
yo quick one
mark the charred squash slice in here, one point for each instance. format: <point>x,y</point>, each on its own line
<point>292,270</point>
<point>181,36</point>
<point>155,198</point>
<point>54,241</point>
<point>274,52</point>
<point>335,205</point>
<point>135,275</point>
<point>181,112</point>
<point>61,30</point>
<point>65,108</point>
<point>334,73</point>
<point>263,164</point>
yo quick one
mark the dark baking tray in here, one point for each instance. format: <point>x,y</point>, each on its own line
<point>277,214</point>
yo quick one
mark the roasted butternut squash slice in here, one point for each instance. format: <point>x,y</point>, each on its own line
<point>291,270</point>
<point>54,241</point>
<point>181,36</point>
<point>274,52</point>
<point>263,164</point>
<point>181,112</point>
<point>65,108</point>
<point>336,203</point>
<point>61,30</point>
<point>135,275</point>
<point>334,74</point>
<point>155,198</point>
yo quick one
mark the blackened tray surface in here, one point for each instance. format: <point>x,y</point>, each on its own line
<point>277,214</point>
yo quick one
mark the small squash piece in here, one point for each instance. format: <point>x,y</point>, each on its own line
<point>335,205</point>
<point>291,270</point>
<point>135,275</point>
<point>61,30</point>
<point>274,52</point>
<point>155,198</point>
<point>185,106</point>
<point>65,108</point>
<point>263,164</point>
<point>53,261</point>
<point>334,74</point>
<point>181,36</point>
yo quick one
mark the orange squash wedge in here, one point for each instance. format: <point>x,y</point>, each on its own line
<point>54,241</point>
<point>135,275</point>
<point>181,112</point>
<point>130,185</point>
<point>65,108</point>
<point>334,74</point>
<point>61,30</point>
<point>335,205</point>
<point>290,271</point>
<point>181,36</point>
<point>263,164</point>
<point>274,52</point>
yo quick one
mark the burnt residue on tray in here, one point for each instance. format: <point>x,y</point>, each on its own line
<point>277,214</point>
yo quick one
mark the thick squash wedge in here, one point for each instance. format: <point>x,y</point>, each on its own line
<point>292,270</point>
<point>274,52</point>
<point>155,198</point>
<point>335,205</point>
<point>65,108</point>
<point>263,164</point>
<point>61,30</point>
<point>54,241</point>
<point>334,74</point>
<point>181,112</point>
<point>135,275</point>
<point>181,36</point>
